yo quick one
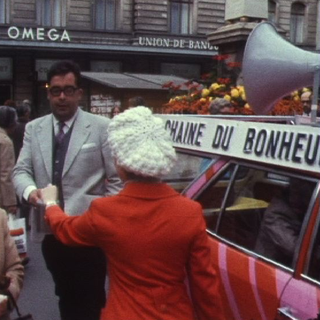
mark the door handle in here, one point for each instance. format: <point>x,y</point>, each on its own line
<point>285,314</point>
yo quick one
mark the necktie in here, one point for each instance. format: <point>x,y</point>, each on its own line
<point>61,133</point>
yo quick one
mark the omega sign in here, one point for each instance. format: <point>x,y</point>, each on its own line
<point>175,43</point>
<point>38,34</point>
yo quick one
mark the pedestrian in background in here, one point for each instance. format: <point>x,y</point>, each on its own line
<point>69,149</point>
<point>115,111</point>
<point>306,100</point>
<point>23,112</point>
<point>152,235</point>
<point>8,121</point>
<point>135,102</point>
<point>11,269</point>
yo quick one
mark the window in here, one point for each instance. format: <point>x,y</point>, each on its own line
<point>51,13</point>
<point>105,14</point>
<point>258,211</point>
<point>186,169</point>
<point>297,22</point>
<point>272,11</point>
<point>181,21</point>
<point>4,9</point>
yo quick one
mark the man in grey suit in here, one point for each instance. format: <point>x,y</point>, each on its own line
<point>68,148</point>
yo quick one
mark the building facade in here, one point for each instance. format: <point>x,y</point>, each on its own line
<point>167,37</point>
<point>297,21</point>
<point>135,36</point>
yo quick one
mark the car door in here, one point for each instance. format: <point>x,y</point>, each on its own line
<point>254,271</point>
<point>301,297</point>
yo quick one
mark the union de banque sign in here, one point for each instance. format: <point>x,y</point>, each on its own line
<point>160,42</point>
<point>38,34</point>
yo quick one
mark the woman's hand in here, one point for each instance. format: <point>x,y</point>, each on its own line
<point>49,194</point>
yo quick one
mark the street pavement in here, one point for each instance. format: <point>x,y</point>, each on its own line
<point>37,296</point>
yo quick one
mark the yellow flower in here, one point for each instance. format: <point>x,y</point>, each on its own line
<point>296,98</point>
<point>203,100</point>
<point>227,97</point>
<point>214,86</point>
<point>234,93</point>
<point>205,93</point>
<point>240,89</point>
<point>247,106</point>
<point>305,89</point>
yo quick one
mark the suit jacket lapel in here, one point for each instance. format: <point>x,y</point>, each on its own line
<point>45,140</point>
<point>80,133</point>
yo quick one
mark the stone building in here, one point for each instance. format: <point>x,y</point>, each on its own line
<point>166,37</point>
<point>149,37</point>
<point>298,21</point>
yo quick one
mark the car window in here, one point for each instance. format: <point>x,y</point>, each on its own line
<point>186,169</point>
<point>258,210</point>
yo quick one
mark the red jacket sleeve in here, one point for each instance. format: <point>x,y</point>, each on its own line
<point>73,231</point>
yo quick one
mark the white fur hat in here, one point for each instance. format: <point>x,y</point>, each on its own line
<point>140,144</point>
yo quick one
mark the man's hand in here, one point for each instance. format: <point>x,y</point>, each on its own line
<point>35,197</point>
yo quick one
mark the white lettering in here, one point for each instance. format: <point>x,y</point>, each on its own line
<point>37,34</point>
<point>52,34</point>
<point>27,33</point>
<point>40,33</point>
<point>65,36</point>
<point>174,43</point>
<point>13,32</point>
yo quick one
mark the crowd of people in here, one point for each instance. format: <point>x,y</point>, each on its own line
<point>96,199</point>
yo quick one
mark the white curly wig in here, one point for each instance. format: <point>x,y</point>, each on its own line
<point>140,144</point>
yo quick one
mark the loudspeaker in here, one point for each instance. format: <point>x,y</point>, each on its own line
<point>273,68</point>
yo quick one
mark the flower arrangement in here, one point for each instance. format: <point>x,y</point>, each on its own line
<point>199,96</point>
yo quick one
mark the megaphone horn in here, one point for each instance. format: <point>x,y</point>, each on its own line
<point>273,67</point>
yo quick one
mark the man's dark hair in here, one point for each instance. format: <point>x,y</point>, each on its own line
<point>62,68</point>
<point>8,117</point>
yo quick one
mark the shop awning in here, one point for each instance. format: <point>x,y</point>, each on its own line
<point>135,80</point>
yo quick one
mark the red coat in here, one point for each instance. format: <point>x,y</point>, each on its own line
<point>151,236</point>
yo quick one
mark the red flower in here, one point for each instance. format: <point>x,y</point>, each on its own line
<point>167,84</point>
<point>205,76</point>
<point>221,57</point>
<point>234,64</point>
<point>224,80</point>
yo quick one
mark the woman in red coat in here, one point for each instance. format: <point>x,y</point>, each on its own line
<point>154,238</point>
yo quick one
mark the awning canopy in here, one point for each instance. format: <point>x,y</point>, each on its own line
<point>135,80</point>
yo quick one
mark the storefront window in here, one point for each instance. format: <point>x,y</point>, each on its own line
<point>3,11</point>
<point>51,13</point>
<point>272,8</point>
<point>105,14</point>
<point>181,21</point>
<point>297,22</point>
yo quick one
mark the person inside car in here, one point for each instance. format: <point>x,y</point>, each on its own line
<point>282,222</point>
